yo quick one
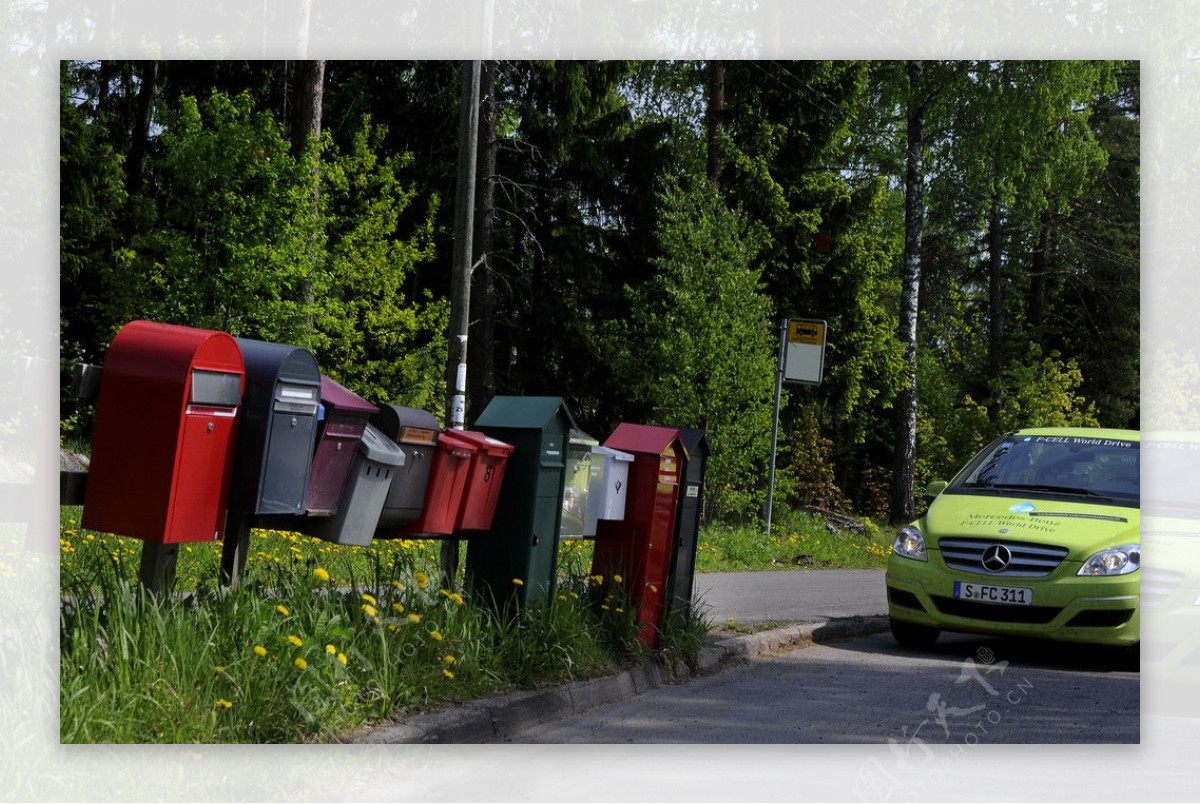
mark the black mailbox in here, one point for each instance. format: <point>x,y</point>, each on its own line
<point>278,428</point>
<point>416,431</point>
<point>682,571</point>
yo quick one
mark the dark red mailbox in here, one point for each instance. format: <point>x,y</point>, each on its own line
<point>638,548</point>
<point>452,458</point>
<point>338,437</point>
<point>483,480</point>
<point>166,424</point>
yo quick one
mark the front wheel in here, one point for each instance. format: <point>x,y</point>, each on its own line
<point>911,635</point>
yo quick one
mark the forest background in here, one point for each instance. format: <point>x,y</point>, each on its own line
<point>968,229</point>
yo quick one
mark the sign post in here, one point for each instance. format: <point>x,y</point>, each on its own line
<point>802,361</point>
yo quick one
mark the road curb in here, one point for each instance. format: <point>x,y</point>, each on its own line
<point>494,719</point>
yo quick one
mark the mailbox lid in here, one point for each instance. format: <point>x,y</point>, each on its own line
<point>407,425</point>
<point>642,438</point>
<point>339,400</point>
<point>379,449</point>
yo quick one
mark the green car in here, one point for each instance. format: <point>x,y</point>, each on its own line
<point>1037,537</point>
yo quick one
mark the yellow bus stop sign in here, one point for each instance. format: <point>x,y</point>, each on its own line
<point>804,355</point>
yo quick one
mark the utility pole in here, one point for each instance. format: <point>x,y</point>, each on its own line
<point>460,280</point>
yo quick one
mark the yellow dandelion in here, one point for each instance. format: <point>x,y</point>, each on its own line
<point>444,592</point>
<point>321,574</point>
<point>620,610</point>
<point>398,608</point>
<point>436,635</point>
<point>574,595</point>
<point>370,599</point>
<point>447,673</point>
<point>224,704</point>
<point>398,585</point>
<point>604,607</point>
<point>300,663</point>
<point>342,658</point>
<point>259,650</point>
<point>456,598</point>
<point>295,640</point>
<point>393,628</point>
<point>330,649</point>
<point>414,618</point>
<point>450,660</point>
<point>422,580</point>
<point>616,579</point>
<point>219,670</point>
<point>518,582</point>
<point>562,598</point>
<point>370,610</point>
<point>599,579</point>
<point>282,609</point>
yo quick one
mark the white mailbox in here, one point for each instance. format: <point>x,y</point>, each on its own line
<point>607,486</point>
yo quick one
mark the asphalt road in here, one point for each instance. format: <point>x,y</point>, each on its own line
<point>964,691</point>
<point>795,596</point>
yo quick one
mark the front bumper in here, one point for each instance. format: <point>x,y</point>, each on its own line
<point>1066,607</point>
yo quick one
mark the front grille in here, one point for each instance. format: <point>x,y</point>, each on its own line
<point>1033,615</point>
<point>1028,560</point>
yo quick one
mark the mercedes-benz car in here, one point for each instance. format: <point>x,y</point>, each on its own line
<point>1038,536</point>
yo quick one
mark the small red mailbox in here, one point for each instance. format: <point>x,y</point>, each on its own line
<point>166,423</point>
<point>639,547</point>
<point>483,479</point>
<point>338,436</point>
<point>448,476</point>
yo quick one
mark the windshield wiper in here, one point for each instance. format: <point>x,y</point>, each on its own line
<point>1046,488</point>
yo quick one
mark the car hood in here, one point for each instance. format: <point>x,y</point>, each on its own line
<point>1083,528</point>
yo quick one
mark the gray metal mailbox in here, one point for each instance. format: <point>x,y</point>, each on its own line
<point>416,431</point>
<point>278,429</point>
<point>366,490</point>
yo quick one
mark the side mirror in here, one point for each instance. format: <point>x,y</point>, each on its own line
<point>933,490</point>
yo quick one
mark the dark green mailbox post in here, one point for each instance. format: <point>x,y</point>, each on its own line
<point>682,572</point>
<point>523,541</point>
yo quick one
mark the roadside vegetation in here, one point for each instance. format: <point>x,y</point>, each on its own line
<point>322,639</point>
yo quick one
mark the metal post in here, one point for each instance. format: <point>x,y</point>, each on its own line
<point>775,420</point>
<point>157,570</point>
<point>233,550</point>
<point>460,308</point>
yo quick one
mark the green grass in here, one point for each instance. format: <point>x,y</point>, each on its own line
<point>797,541</point>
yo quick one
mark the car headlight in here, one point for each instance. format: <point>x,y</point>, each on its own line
<point>1120,560</point>
<point>910,544</point>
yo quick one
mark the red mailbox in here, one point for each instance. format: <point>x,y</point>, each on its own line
<point>448,476</point>
<point>483,479</point>
<point>338,436</point>
<point>639,547</point>
<point>166,423</point>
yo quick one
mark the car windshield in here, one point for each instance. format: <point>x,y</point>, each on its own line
<point>1096,469</point>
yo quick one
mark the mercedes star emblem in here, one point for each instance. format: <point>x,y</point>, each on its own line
<point>996,558</point>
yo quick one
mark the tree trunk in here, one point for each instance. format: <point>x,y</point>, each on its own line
<point>306,127</point>
<point>481,383</point>
<point>904,457</point>
<point>716,111</point>
<point>310,93</point>
<point>995,313</point>
<point>1040,276</point>
<point>140,136</point>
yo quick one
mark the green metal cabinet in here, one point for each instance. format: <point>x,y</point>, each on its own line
<point>523,541</point>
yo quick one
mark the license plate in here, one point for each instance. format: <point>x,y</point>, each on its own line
<point>986,593</point>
